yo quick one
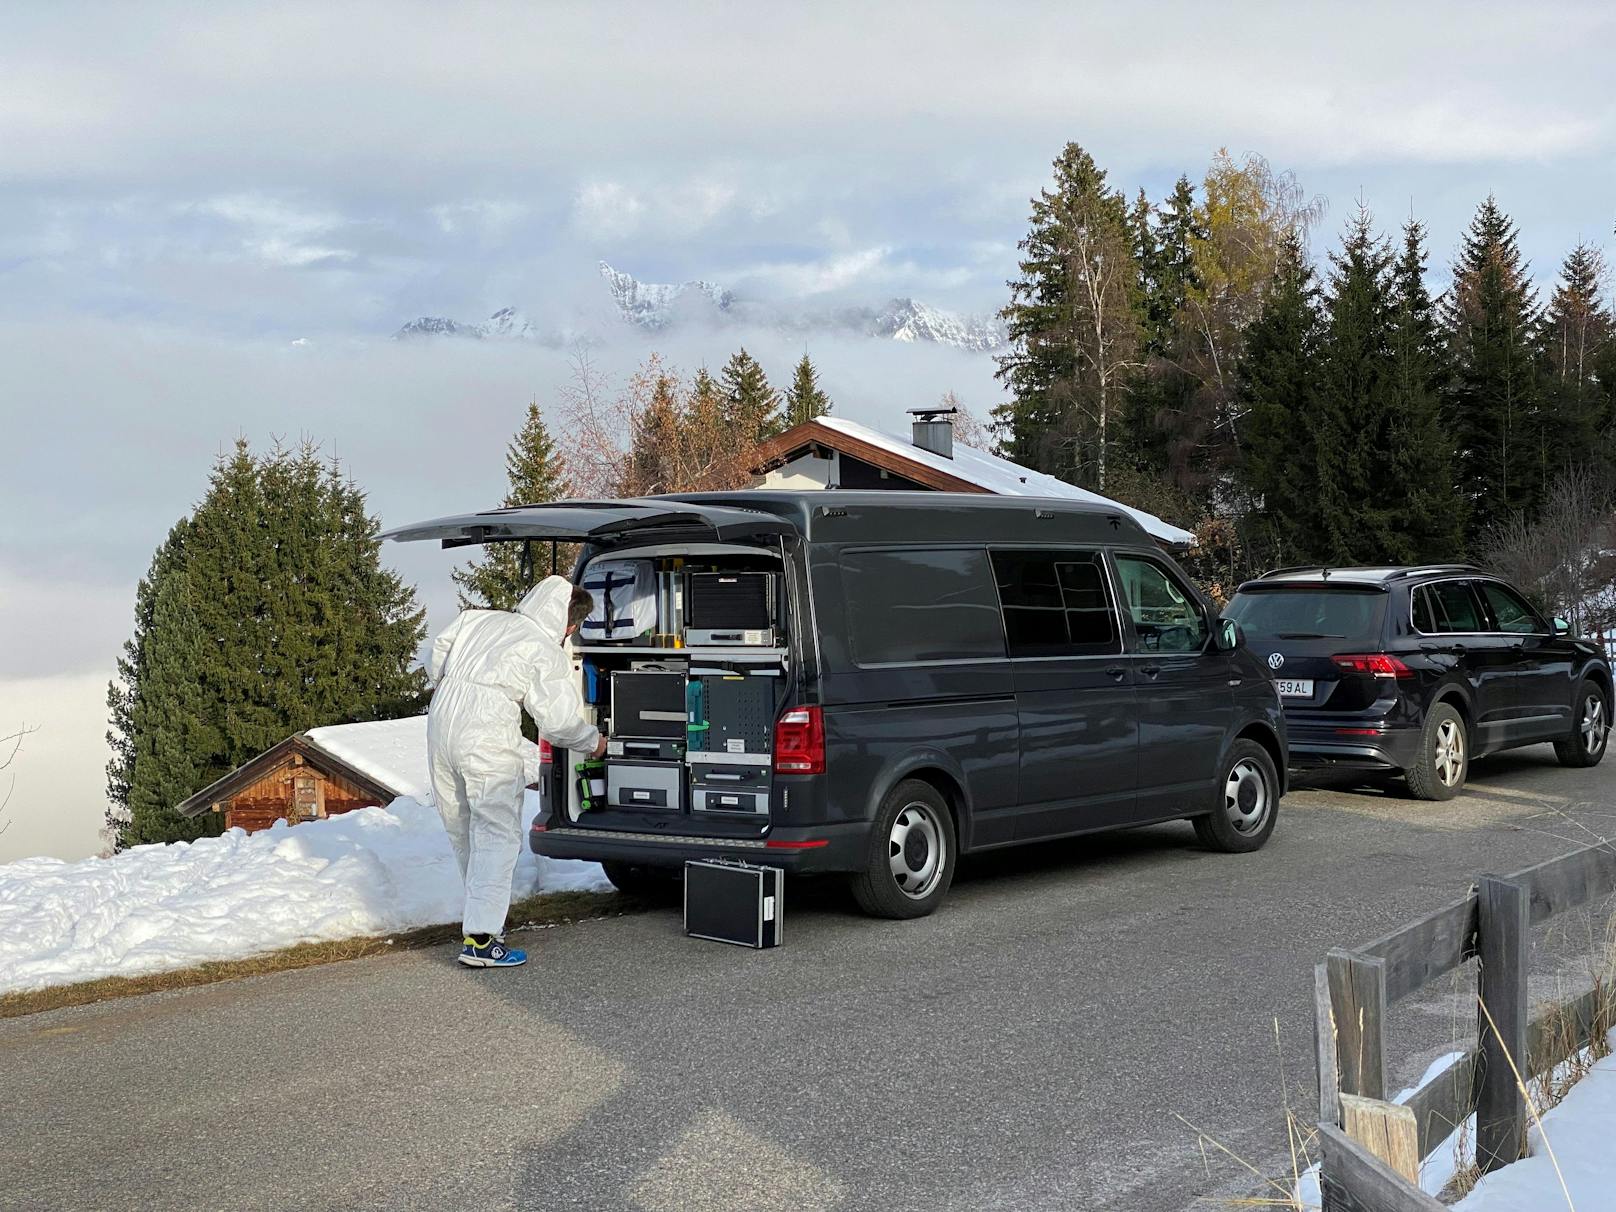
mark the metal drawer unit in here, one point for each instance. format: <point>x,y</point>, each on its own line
<point>658,785</point>
<point>729,787</point>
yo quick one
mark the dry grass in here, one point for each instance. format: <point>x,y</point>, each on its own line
<point>535,911</point>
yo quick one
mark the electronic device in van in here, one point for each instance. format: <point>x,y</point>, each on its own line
<point>729,608</point>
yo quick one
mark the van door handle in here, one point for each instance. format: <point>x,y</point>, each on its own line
<point>1116,673</point>
<point>1150,671</point>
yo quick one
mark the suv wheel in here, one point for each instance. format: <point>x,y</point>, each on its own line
<point>1590,728</point>
<point>1247,794</point>
<point>1444,756</point>
<point>910,861</point>
<point>660,884</point>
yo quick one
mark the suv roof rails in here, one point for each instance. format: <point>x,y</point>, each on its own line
<point>1274,572</point>
<point>1426,569</point>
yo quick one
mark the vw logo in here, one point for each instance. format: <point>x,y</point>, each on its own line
<point>1276,660</point>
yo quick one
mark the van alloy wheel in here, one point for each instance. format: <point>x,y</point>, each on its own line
<point>916,850</point>
<point>1246,797</point>
<point>1450,744</point>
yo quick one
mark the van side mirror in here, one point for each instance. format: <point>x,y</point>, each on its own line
<point>1227,636</point>
<point>1561,627</point>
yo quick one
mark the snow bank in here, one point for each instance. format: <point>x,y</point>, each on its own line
<point>1581,1130</point>
<point>161,907</point>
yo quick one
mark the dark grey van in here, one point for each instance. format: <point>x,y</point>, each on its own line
<point>874,683</point>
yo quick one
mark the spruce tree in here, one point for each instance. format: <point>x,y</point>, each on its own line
<point>1420,448</point>
<point>1358,494</point>
<point>1577,349</point>
<point>535,472</point>
<point>1073,324</point>
<point>1490,316</point>
<point>804,399</point>
<point>751,406</point>
<point>125,693</point>
<point>1276,388</point>
<point>266,612</point>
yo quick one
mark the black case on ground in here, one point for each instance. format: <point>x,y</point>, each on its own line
<point>731,902</point>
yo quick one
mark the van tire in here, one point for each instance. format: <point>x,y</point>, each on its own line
<point>659,884</point>
<point>1590,727</point>
<point>1444,726</point>
<point>912,830</point>
<point>1247,802</point>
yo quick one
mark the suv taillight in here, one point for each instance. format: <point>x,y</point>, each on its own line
<point>1377,664</point>
<point>799,742</point>
<point>546,754</point>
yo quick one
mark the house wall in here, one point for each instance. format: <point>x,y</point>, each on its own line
<point>292,783</point>
<point>804,472</point>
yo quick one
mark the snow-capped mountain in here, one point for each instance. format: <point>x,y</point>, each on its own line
<point>659,306</point>
<point>907,320</point>
<point>507,323</point>
<point>655,305</point>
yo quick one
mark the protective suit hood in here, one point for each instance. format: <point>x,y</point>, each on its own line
<point>546,604</point>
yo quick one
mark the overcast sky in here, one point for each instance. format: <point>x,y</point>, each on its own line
<point>186,191</point>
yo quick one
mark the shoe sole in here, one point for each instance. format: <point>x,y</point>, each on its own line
<point>472,961</point>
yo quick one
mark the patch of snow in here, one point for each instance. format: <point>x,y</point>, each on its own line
<point>156,908</point>
<point>1001,476</point>
<point>1581,1129</point>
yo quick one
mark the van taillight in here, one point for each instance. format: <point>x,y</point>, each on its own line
<point>799,742</point>
<point>546,754</point>
<point>1379,664</point>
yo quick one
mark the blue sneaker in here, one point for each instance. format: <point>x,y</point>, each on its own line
<point>490,953</point>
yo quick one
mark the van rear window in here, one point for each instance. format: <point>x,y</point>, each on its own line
<point>1309,612</point>
<point>921,605</point>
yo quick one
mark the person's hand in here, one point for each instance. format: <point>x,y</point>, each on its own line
<point>600,747</point>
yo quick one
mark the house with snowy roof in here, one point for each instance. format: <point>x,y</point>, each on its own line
<point>833,452</point>
<point>322,772</point>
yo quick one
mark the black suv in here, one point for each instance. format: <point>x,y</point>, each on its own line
<point>1418,670</point>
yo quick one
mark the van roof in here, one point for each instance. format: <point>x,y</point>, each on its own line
<point>853,516</point>
<point>818,515</point>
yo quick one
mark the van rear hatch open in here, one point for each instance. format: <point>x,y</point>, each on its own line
<point>1317,638</point>
<point>601,522</point>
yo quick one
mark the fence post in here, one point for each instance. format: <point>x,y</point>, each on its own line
<point>1358,1005</point>
<point>1504,944</point>
<point>1324,1048</point>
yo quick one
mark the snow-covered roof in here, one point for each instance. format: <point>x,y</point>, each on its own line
<point>997,475</point>
<point>393,752</point>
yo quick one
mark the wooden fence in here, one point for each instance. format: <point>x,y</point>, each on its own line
<point>1353,988</point>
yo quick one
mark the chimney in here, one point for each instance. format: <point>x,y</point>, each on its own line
<point>934,430</point>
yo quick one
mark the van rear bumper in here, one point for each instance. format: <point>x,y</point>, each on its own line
<point>823,848</point>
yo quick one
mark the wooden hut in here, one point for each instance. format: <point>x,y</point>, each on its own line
<point>297,780</point>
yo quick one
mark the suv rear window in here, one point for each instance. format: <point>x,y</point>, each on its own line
<point>1309,612</point>
<point>1447,608</point>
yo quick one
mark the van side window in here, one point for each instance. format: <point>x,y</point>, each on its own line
<point>1056,603</point>
<point>925,604</point>
<point>1166,616</point>
<point>1510,611</point>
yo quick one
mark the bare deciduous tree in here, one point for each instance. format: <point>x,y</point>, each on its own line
<point>1565,558</point>
<point>10,746</point>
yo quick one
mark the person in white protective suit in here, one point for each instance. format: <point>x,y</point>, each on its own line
<point>488,665</point>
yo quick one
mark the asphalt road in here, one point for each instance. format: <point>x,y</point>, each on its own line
<point>1031,1046</point>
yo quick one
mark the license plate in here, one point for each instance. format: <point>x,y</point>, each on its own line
<point>1294,688</point>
